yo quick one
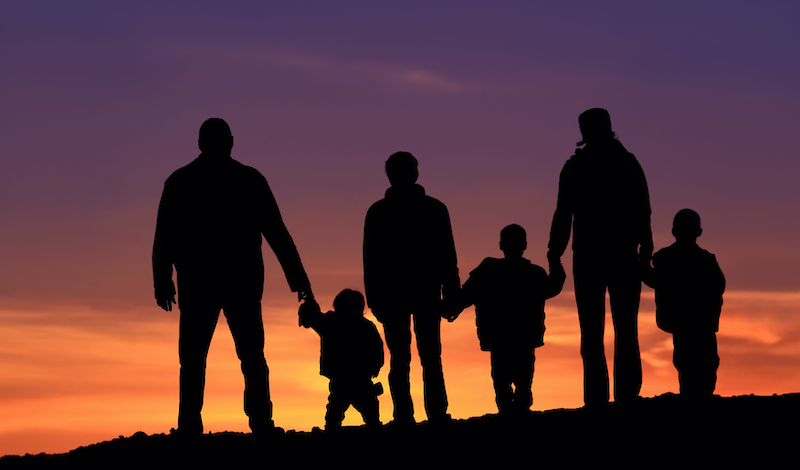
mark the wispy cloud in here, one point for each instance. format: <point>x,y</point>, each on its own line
<point>395,76</point>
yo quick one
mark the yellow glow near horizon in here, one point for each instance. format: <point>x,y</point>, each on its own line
<point>69,383</point>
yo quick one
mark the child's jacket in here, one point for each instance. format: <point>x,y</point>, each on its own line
<point>689,286</point>
<point>350,346</point>
<point>509,296</point>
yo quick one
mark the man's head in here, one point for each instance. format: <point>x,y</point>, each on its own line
<point>349,303</point>
<point>595,125</point>
<point>686,225</point>
<point>215,137</point>
<point>401,168</point>
<point>513,241</point>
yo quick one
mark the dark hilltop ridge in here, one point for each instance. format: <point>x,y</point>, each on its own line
<point>659,432</point>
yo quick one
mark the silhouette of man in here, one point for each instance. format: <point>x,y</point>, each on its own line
<point>409,266</point>
<point>603,194</point>
<point>212,215</point>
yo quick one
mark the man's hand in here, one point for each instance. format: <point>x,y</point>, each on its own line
<point>166,303</point>
<point>165,295</point>
<point>304,295</point>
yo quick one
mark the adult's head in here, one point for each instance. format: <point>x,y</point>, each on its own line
<point>513,240</point>
<point>349,303</point>
<point>686,225</point>
<point>401,168</point>
<point>215,137</point>
<point>595,125</point>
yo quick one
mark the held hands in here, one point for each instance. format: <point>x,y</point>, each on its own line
<point>451,307</point>
<point>308,312</point>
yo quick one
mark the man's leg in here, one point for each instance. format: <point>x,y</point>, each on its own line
<point>197,326</point>
<point>247,328</point>
<point>397,331</point>
<point>427,327</point>
<point>590,299</point>
<point>624,292</point>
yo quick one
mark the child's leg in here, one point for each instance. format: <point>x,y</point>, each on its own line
<point>501,379</point>
<point>696,358</point>
<point>523,378</point>
<point>366,402</point>
<point>338,403</point>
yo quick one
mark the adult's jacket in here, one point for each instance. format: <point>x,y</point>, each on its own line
<point>409,253</point>
<point>212,215</point>
<point>603,196</point>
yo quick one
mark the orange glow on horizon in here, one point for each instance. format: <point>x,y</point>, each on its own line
<point>66,385</point>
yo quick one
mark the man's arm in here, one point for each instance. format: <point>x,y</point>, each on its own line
<point>451,284</point>
<point>163,252</point>
<point>562,218</point>
<point>277,235</point>
<point>556,278</point>
<point>645,233</point>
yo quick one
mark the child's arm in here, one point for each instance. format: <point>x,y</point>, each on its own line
<point>556,278</point>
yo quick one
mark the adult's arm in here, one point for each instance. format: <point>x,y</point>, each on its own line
<point>163,251</point>
<point>374,262</point>
<point>556,278</point>
<point>277,235</point>
<point>562,218</point>
<point>644,231</point>
<point>451,284</point>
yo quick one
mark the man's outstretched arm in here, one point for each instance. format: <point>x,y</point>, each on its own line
<point>277,235</point>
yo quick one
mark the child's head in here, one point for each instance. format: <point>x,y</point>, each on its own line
<point>349,303</point>
<point>686,225</point>
<point>513,241</point>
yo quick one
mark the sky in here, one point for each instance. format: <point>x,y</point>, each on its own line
<point>101,101</point>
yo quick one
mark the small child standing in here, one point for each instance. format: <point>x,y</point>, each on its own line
<point>351,355</point>
<point>689,286</point>
<point>509,295</point>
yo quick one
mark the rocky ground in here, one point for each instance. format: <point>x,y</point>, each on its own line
<point>660,432</point>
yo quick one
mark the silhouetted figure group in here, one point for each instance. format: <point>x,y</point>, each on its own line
<point>215,210</point>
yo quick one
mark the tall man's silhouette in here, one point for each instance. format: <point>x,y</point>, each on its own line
<point>603,194</point>
<point>409,266</point>
<point>212,215</point>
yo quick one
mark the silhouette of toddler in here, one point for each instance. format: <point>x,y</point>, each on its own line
<point>689,286</point>
<point>351,355</point>
<point>509,296</point>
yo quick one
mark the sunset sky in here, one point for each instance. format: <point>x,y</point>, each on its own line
<point>101,101</point>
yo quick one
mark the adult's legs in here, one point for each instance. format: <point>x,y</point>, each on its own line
<point>624,291</point>
<point>397,331</point>
<point>247,328</point>
<point>427,327</point>
<point>590,298</point>
<point>197,326</point>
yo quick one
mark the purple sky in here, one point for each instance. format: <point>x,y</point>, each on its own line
<point>101,101</point>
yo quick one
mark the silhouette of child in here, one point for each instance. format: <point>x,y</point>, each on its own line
<point>351,355</point>
<point>689,286</point>
<point>509,296</point>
